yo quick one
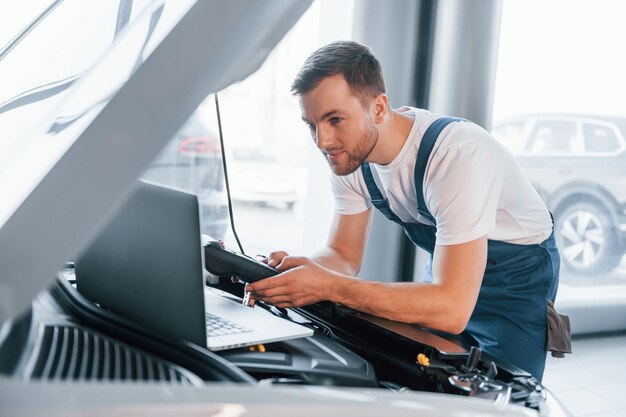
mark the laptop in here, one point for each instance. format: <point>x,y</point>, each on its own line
<point>146,265</point>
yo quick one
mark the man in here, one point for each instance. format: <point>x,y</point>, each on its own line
<point>457,193</point>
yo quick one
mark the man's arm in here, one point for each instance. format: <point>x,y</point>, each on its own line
<point>444,305</point>
<point>346,243</point>
<point>344,250</point>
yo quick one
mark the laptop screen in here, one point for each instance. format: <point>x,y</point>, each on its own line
<point>146,265</point>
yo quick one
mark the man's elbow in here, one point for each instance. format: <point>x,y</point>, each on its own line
<point>455,322</point>
<point>350,267</point>
<point>456,327</point>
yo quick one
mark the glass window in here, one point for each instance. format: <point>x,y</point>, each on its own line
<point>554,137</point>
<point>599,138</point>
<point>571,92</point>
<point>192,162</point>
<point>538,80</point>
<point>511,135</point>
<point>276,175</point>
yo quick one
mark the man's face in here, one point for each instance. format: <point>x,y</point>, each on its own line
<point>342,127</point>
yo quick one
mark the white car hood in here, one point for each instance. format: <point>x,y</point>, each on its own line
<point>228,400</point>
<point>45,219</point>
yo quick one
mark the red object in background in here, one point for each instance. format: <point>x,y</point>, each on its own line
<point>200,145</point>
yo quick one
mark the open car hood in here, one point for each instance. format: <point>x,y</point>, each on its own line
<point>81,163</point>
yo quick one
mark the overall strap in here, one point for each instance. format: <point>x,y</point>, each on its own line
<point>376,197</point>
<point>423,154</point>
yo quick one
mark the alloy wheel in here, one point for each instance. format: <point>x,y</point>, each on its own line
<point>582,239</point>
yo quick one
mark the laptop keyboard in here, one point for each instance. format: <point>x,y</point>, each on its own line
<point>217,326</point>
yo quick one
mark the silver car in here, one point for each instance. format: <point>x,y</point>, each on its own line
<point>577,163</point>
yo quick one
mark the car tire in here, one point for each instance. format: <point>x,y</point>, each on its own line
<point>587,239</point>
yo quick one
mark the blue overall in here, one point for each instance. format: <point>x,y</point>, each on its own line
<point>510,317</point>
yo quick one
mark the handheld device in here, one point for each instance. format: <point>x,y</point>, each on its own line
<point>224,262</point>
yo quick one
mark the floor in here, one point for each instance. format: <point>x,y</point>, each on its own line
<point>591,381</point>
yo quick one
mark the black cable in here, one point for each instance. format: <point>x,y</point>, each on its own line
<point>230,204</point>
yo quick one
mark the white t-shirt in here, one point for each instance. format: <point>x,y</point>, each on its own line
<point>472,187</point>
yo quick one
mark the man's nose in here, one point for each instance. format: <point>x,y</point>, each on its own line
<point>323,138</point>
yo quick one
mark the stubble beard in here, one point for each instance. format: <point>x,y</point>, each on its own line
<point>358,155</point>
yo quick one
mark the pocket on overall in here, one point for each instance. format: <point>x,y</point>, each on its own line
<point>504,256</point>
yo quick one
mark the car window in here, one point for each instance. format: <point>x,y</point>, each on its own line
<point>554,137</point>
<point>510,135</point>
<point>599,138</point>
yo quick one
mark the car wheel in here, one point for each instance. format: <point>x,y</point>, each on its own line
<point>587,239</point>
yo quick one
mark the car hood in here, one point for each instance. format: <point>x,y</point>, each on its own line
<point>209,45</point>
<point>69,399</point>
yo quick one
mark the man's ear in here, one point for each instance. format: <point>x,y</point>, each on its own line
<point>380,107</point>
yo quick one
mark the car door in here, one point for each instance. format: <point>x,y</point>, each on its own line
<point>566,159</point>
<point>605,151</point>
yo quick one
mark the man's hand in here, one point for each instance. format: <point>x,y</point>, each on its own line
<point>274,258</point>
<point>304,282</point>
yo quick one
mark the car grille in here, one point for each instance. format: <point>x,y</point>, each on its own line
<point>75,353</point>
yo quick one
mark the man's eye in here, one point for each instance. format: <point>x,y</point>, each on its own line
<point>334,120</point>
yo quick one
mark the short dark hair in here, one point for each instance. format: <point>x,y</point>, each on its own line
<point>354,61</point>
